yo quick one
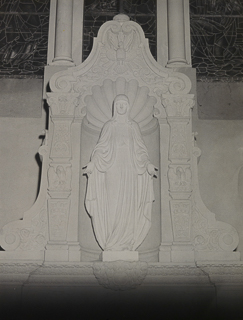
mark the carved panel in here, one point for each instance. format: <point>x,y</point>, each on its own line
<point>61,144</point>
<point>120,275</point>
<point>180,178</point>
<point>58,211</point>
<point>179,149</point>
<point>59,178</point>
<point>181,219</point>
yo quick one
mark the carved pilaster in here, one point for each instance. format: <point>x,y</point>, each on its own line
<point>178,110</point>
<point>60,173</point>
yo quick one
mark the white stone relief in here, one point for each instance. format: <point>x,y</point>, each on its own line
<point>221,237</point>
<point>59,178</point>
<point>120,63</point>
<point>179,148</point>
<point>181,219</point>
<point>180,178</point>
<point>58,211</point>
<point>62,104</point>
<point>120,186</point>
<point>99,105</point>
<point>178,105</point>
<point>61,144</point>
<point>120,48</point>
<point>120,275</point>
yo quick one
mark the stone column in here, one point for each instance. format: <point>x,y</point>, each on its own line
<point>63,38</point>
<point>176,33</point>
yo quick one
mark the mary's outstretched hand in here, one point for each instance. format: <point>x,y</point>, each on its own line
<point>88,169</point>
<point>152,170</point>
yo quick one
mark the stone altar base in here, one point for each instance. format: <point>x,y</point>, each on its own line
<point>74,290</point>
<point>120,255</point>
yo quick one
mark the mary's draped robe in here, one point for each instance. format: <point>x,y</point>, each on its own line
<point>120,190</point>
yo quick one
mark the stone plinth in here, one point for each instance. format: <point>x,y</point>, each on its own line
<point>120,255</point>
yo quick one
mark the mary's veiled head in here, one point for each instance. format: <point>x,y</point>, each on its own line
<point>121,106</point>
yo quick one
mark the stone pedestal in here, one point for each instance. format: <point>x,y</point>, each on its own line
<point>120,255</point>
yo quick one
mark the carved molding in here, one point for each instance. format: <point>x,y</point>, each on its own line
<point>120,275</point>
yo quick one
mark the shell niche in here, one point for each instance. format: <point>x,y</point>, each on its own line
<point>99,104</point>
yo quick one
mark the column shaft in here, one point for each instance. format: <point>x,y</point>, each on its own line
<point>63,39</point>
<point>176,33</point>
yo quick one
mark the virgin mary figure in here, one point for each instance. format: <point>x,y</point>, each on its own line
<point>120,183</point>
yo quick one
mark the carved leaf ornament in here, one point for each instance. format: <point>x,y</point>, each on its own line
<point>120,275</point>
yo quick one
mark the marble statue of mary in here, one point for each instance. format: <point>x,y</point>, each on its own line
<point>120,183</point>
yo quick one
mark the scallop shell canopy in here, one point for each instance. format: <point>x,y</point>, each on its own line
<point>99,104</point>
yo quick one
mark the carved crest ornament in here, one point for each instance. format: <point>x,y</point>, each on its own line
<point>120,63</point>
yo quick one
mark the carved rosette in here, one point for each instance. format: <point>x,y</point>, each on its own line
<point>120,275</point>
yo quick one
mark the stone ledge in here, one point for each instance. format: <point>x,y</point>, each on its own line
<point>157,274</point>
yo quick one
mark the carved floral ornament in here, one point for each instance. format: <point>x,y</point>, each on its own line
<point>120,275</point>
